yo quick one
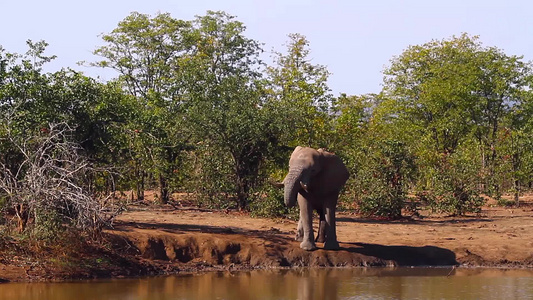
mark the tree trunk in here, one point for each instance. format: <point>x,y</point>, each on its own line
<point>140,186</point>
<point>516,181</point>
<point>483,181</point>
<point>21,217</point>
<point>517,192</point>
<point>163,189</point>
<point>242,189</point>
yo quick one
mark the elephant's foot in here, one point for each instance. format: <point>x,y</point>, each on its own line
<point>321,236</point>
<point>307,245</point>
<point>299,236</point>
<point>331,245</point>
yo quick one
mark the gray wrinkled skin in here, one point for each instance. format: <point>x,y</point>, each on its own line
<point>314,180</point>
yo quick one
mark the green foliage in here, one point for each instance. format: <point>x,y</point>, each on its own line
<point>195,109</point>
<point>47,226</point>
<point>51,125</point>
<point>432,88</point>
<point>271,204</point>
<point>211,181</point>
<point>515,150</point>
<point>198,87</point>
<point>446,94</point>
<point>147,53</point>
<point>299,96</point>
<point>383,179</point>
<point>351,130</point>
<point>224,110</point>
<point>144,50</point>
<point>454,189</point>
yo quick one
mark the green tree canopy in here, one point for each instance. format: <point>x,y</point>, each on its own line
<point>300,94</point>
<point>449,95</point>
<point>146,52</point>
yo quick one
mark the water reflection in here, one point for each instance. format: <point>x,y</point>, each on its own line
<point>401,283</point>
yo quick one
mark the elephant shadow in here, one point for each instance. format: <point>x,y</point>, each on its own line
<point>406,255</point>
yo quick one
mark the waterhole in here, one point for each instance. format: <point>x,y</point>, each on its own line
<point>359,283</point>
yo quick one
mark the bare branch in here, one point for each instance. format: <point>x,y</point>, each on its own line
<point>53,177</point>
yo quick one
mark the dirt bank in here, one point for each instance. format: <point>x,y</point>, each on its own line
<point>165,240</point>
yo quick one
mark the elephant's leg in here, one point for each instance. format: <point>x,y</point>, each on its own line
<point>331,233</point>
<point>306,219</point>
<point>321,236</point>
<point>299,231</point>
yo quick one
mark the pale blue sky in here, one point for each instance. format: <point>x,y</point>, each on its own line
<point>354,39</point>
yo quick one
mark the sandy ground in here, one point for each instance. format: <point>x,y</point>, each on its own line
<point>148,240</point>
<point>498,236</point>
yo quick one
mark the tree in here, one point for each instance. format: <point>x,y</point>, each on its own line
<point>25,87</point>
<point>430,87</point>
<point>146,52</point>
<point>381,166</point>
<point>384,177</point>
<point>47,144</point>
<point>444,93</point>
<point>516,145</point>
<point>197,83</point>
<point>452,89</point>
<point>502,85</point>
<point>225,106</point>
<point>352,122</point>
<point>300,94</point>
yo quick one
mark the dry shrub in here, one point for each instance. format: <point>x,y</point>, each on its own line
<point>48,190</point>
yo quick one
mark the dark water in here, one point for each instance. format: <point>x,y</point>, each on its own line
<point>401,283</point>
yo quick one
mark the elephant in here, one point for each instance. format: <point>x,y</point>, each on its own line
<point>315,179</point>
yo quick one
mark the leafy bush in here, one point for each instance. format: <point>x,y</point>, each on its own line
<point>454,188</point>
<point>270,204</point>
<point>384,179</point>
<point>212,181</point>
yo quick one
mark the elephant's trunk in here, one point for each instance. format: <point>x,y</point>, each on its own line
<point>292,186</point>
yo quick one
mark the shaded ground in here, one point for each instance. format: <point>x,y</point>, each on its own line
<point>165,240</point>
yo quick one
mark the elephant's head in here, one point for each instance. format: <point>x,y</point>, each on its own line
<point>304,164</point>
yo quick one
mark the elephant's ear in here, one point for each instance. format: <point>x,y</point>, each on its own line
<point>324,159</point>
<point>323,151</point>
